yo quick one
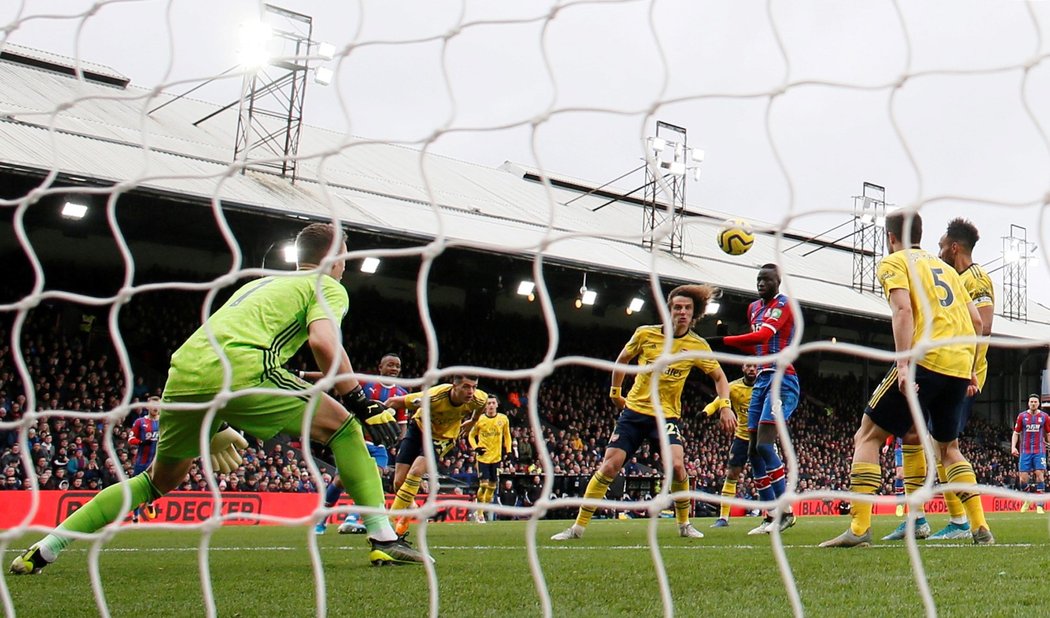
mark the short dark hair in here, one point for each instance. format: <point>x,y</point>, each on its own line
<point>1033,395</point>
<point>963,232</point>
<point>464,376</point>
<point>700,294</point>
<point>314,242</point>
<point>895,226</point>
<point>772,267</point>
<point>390,355</point>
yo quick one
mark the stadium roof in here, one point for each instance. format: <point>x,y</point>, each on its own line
<point>106,136</point>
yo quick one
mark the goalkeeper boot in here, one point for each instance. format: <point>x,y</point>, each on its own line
<point>952,532</point>
<point>922,530</point>
<point>848,539</point>
<point>983,536</point>
<point>689,532</point>
<point>31,562</point>
<point>398,551</point>
<point>572,532</point>
<point>721,522</point>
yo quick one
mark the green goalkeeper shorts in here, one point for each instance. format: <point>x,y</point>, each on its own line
<point>262,415</point>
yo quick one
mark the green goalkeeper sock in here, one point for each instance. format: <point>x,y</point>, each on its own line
<point>103,509</point>
<point>360,476</point>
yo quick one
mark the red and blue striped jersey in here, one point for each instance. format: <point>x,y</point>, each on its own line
<point>379,392</point>
<point>777,316</point>
<point>1032,427</point>
<point>147,431</point>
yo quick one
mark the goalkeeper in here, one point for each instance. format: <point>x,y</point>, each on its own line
<point>262,325</point>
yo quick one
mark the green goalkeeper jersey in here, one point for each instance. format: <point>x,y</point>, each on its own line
<point>262,325</point>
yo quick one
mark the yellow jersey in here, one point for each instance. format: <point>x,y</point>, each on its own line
<point>740,395</point>
<point>945,300</point>
<point>979,285</point>
<point>445,418</point>
<point>647,344</point>
<point>493,434</point>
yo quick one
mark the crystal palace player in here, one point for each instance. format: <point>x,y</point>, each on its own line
<point>928,304</point>
<point>258,330</point>
<point>389,367</point>
<point>740,391</point>
<point>144,433</point>
<point>638,422</point>
<point>490,439</point>
<point>772,328</point>
<point>1031,432</point>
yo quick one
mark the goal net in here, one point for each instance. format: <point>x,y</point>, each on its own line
<point>521,186</point>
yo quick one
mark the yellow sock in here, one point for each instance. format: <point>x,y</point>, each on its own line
<point>491,493</point>
<point>914,471</point>
<point>681,505</point>
<point>728,491</point>
<point>864,478</point>
<point>956,512</point>
<point>406,494</point>
<point>962,472</point>
<point>596,489</point>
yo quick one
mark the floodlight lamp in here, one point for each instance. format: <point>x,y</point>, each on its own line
<point>867,218</point>
<point>369,265</point>
<point>657,144</point>
<point>291,254</point>
<point>636,305</point>
<point>255,38</point>
<point>676,168</point>
<point>72,210</point>
<point>588,297</point>
<point>323,76</point>
<point>698,155</point>
<point>525,288</point>
<point>880,221</point>
<point>696,174</point>
<point>326,50</point>
<point>712,308</point>
<point>1012,256</point>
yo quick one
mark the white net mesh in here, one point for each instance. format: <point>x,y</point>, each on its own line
<point>795,104</point>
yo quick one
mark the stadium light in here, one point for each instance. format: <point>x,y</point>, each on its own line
<point>326,50</point>
<point>588,297</point>
<point>72,210</point>
<point>712,308</point>
<point>369,265</point>
<point>526,288</point>
<point>323,76</point>
<point>657,144</point>
<point>635,306</point>
<point>291,254</point>
<point>254,52</point>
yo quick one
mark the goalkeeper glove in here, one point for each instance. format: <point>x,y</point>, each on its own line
<point>225,456</point>
<point>377,418</point>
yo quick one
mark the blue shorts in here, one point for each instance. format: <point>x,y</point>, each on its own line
<point>1030,462</point>
<point>940,398</point>
<point>761,408</point>
<point>632,428</point>
<point>738,452</point>
<point>488,472</point>
<point>378,453</point>
<point>898,458</point>
<point>411,445</point>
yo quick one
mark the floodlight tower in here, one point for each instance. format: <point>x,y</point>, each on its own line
<point>869,236</point>
<point>1016,254</point>
<point>673,159</point>
<point>269,123</point>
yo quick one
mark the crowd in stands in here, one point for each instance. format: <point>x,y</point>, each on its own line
<point>73,366</point>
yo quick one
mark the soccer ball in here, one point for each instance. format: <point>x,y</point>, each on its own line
<point>735,237</point>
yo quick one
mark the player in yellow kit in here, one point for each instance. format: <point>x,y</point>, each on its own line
<point>449,405</point>
<point>638,421</point>
<point>740,395</point>
<point>928,303</point>
<point>490,439</point>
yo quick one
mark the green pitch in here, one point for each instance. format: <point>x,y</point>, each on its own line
<point>483,570</point>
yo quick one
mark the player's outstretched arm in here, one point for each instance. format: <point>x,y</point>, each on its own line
<point>726,420</point>
<point>328,351</point>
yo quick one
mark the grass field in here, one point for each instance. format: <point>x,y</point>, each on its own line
<point>483,571</point>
